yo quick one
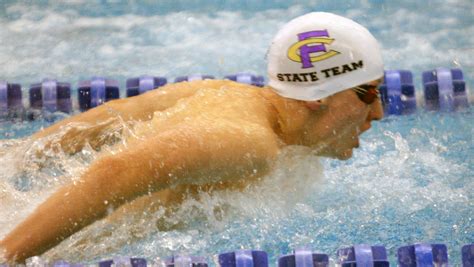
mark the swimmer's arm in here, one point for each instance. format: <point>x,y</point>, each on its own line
<point>191,155</point>
<point>92,126</point>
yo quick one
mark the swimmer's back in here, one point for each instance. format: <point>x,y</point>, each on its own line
<point>173,103</point>
<point>209,102</point>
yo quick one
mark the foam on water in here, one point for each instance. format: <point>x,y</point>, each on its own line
<point>411,180</point>
<point>24,188</point>
<point>27,179</point>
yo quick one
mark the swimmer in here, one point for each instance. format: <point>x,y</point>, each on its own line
<point>323,73</point>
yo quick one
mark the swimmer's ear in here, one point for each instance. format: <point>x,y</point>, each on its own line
<point>316,105</point>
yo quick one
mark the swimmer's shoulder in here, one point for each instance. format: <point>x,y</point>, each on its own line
<point>200,97</point>
<point>171,93</point>
<point>193,86</point>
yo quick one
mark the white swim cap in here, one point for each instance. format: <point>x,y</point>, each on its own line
<point>319,54</point>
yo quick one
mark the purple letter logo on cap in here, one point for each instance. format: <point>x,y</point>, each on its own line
<point>310,43</point>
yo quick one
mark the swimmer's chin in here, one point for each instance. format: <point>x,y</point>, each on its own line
<point>343,155</point>
<point>338,154</point>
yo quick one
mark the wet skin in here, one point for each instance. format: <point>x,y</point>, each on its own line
<point>342,122</point>
<point>203,135</point>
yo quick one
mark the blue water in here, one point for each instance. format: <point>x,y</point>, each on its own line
<point>410,181</point>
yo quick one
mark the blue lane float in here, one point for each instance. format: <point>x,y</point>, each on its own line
<point>304,257</point>
<point>193,77</point>
<point>243,258</point>
<point>10,97</point>
<point>4,103</point>
<point>51,96</point>
<point>97,91</point>
<point>417,255</point>
<point>247,78</point>
<point>444,89</point>
<point>185,261</point>
<point>363,255</point>
<point>143,84</point>
<point>467,253</point>
<point>62,263</point>
<point>421,255</point>
<point>124,261</point>
<point>398,92</point>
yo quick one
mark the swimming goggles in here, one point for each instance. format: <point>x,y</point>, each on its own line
<point>367,93</point>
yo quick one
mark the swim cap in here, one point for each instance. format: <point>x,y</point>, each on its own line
<point>319,54</point>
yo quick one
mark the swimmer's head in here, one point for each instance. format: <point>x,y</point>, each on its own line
<point>320,54</point>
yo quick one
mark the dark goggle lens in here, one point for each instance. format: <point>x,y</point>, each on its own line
<point>367,93</point>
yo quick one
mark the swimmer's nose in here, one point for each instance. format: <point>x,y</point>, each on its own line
<point>376,111</point>
<point>375,114</point>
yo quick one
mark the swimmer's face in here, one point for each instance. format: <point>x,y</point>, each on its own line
<point>334,131</point>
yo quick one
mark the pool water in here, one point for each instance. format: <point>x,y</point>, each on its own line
<point>411,180</point>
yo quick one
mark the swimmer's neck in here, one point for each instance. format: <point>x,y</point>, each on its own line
<point>289,116</point>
